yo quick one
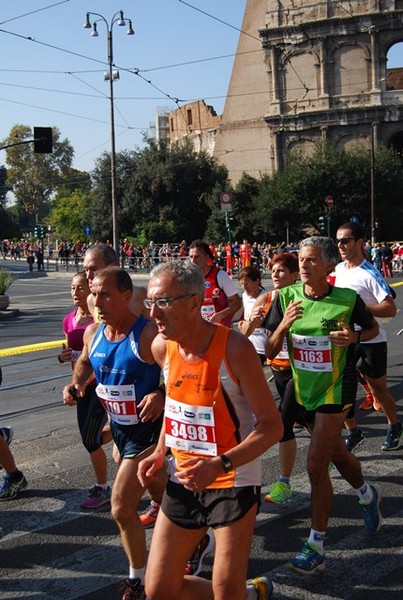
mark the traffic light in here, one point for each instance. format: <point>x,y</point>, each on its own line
<point>43,140</point>
<point>322,224</point>
<point>39,232</point>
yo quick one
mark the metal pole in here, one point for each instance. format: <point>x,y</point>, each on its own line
<point>373,183</point>
<point>115,221</point>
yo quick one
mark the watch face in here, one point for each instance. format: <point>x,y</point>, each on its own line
<point>226,463</point>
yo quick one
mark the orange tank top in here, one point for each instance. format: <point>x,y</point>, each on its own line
<point>205,411</point>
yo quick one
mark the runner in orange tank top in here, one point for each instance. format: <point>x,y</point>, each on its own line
<point>219,419</point>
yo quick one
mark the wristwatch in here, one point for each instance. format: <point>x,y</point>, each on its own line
<point>226,463</point>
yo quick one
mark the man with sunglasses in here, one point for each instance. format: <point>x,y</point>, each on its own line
<point>356,273</point>
<point>219,418</point>
<point>118,352</point>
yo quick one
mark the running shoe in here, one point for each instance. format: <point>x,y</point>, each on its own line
<point>372,514</point>
<point>149,515</point>
<point>354,439</point>
<point>7,434</point>
<point>12,485</point>
<point>97,497</point>
<point>367,403</point>
<point>134,590</point>
<point>308,561</point>
<point>204,547</point>
<point>263,587</point>
<point>279,493</point>
<point>393,437</point>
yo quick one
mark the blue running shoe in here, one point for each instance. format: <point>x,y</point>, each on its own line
<point>372,514</point>
<point>394,438</point>
<point>12,485</point>
<point>308,561</point>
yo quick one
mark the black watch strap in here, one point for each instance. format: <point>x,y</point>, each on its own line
<point>226,463</point>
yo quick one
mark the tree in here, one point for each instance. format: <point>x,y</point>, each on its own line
<point>34,177</point>
<point>68,215</point>
<point>161,192</point>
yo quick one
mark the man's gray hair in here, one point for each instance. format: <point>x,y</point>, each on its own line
<point>188,275</point>
<point>330,252</point>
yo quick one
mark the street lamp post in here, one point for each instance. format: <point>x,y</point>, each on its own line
<point>111,75</point>
<point>373,141</point>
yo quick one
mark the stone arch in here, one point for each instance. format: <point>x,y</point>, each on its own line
<point>348,141</point>
<point>394,65</point>
<point>396,142</point>
<point>351,69</point>
<point>307,145</point>
<point>300,77</point>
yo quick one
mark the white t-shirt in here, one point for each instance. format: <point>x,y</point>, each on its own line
<point>226,284</point>
<point>366,280</point>
<point>259,336</point>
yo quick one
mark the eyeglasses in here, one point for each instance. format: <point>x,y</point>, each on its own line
<point>163,303</point>
<point>345,240</point>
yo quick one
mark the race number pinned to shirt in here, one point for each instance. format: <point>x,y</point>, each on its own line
<point>190,428</point>
<point>312,353</point>
<point>119,402</point>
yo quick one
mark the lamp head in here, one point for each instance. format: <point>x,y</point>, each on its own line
<point>87,24</point>
<point>94,30</point>
<point>130,30</point>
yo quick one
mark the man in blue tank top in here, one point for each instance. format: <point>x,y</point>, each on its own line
<point>118,351</point>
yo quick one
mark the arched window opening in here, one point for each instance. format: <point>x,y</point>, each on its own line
<point>394,71</point>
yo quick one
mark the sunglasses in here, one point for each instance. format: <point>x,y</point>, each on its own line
<point>344,240</point>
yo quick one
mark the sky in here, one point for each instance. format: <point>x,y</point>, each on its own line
<point>52,69</point>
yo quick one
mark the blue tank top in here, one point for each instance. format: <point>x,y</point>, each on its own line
<point>119,368</point>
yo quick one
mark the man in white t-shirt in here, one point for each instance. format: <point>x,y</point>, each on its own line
<point>360,275</point>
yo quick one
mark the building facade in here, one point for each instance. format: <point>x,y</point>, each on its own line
<point>307,71</point>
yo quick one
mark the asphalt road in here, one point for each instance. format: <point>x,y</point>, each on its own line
<point>50,549</point>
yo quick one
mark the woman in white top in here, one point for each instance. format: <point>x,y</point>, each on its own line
<point>250,280</point>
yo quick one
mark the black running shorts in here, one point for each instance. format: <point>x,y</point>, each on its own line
<point>209,508</point>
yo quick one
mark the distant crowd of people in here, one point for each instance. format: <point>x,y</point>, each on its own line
<point>231,256</point>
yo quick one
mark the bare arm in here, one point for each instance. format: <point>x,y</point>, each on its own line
<point>385,309</point>
<point>234,304</point>
<point>149,466</point>
<point>256,317</point>
<point>275,340</point>
<point>83,371</point>
<point>199,472</point>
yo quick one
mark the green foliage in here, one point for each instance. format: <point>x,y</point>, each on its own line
<point>68,215</point>
<point>34,177</point>
<point>6,279</point>
<point>161,193</point>
<point>4,188</point>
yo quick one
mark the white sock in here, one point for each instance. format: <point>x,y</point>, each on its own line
<point>252,593</point>
<point>137,574</point>
<point>316,540</point>
<point>104,486</point>
<point>365,493</point>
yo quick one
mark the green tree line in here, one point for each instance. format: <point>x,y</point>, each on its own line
<point>173,193</point>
